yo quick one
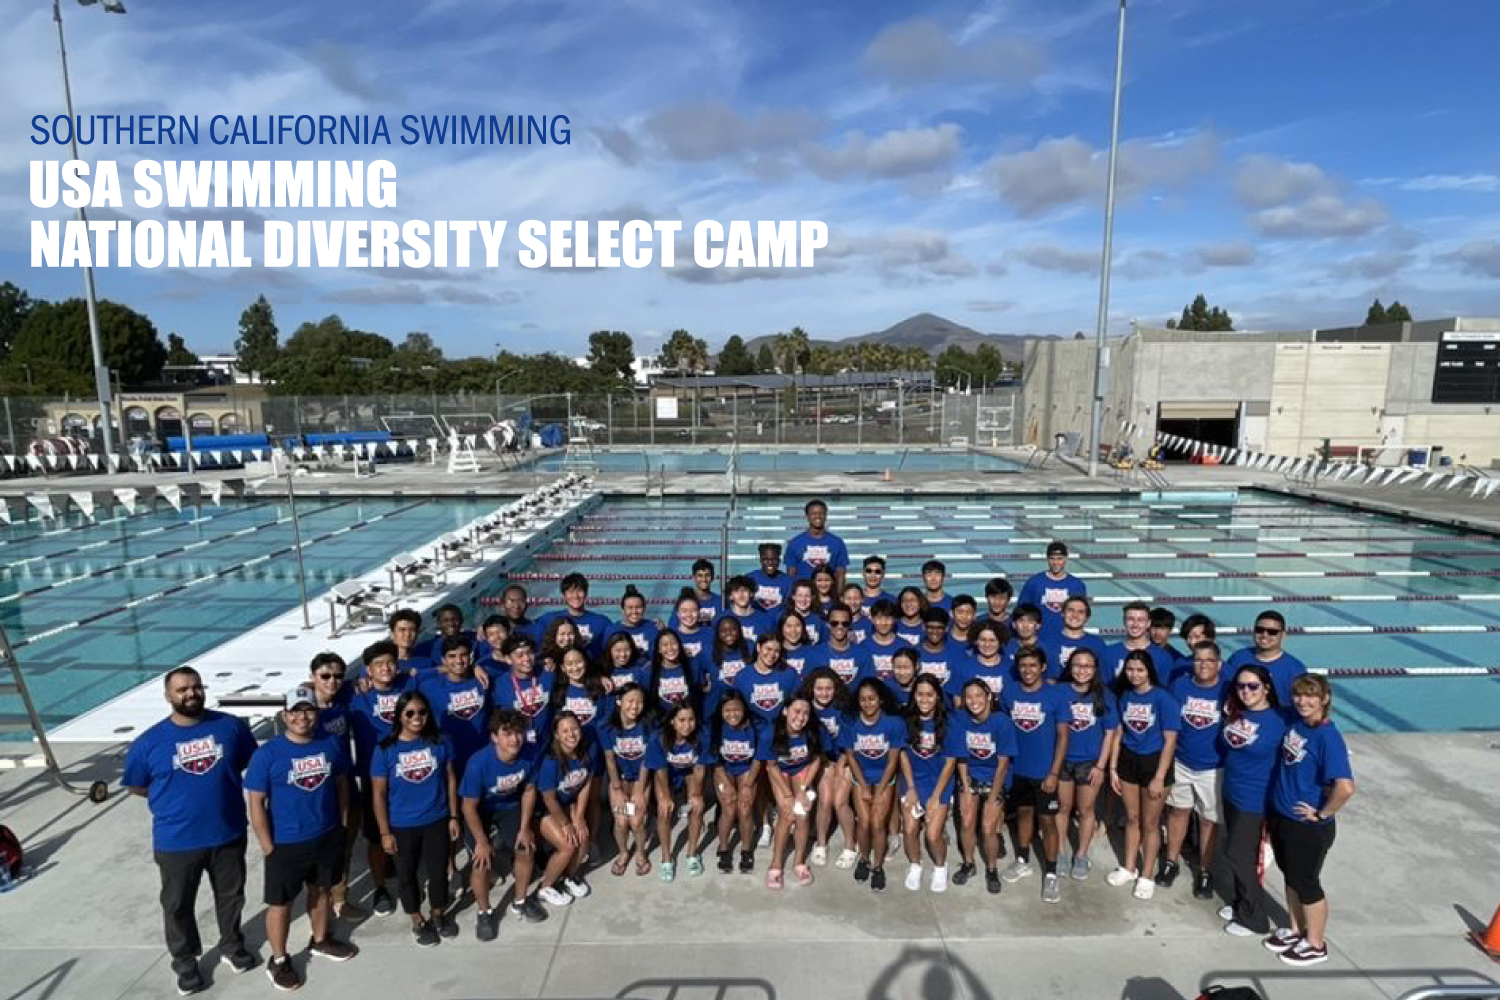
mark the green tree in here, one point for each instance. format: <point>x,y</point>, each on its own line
<point>256,347</point>
<point>177,351</point>
<point>328,358</point>
<point>611,353</point>
<point>54,344</point>
<point>734,359</point>
<point>1376,314</point>
<point>1198,316</point>
<point>1397,313</point>
<point>765,362</point>
<point>15,306</point>
<point>684,352</point>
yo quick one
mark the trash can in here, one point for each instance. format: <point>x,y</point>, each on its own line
<point>1416,456</point>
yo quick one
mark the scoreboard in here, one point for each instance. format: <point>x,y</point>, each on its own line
<point>1468,367</point>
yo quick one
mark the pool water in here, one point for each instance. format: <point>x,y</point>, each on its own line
<point>856,463</point>
<point>1360,592</point>
<point>94,609</point>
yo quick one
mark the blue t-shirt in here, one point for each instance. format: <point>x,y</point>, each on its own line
<point>801,659</point>
<point>697,643</point>
<point>771,591</point>
<point>1035,716</point>
<point>192,779</point>
<point>834,722</point>
<point>945,664</point>
<point>908,634</point>
<point>873,743</point>
<point>564,781</point>
<point>628,744</point>
<point>874,658</point>
<point>1198,745</point>
<point>731,662</point>
<point>709,607</point>
<point>587,707</point>
<point>1283,670</point>
<point>417,776</point>
<point>1049,595</point>
<point>766,693</point>
<point>497,785</point>
<point>335,723</point>
<point>431,648</point>
<point>869,602</point>
<point>642,634</point>
<point>675,685</point>
<point>898,692</point>
<point>463,713</point>
<point>1059,647</point>
<point>741,746</point>
<point>680,759</point>
<point>591,626</point>
<point>1312,758</point>
<point>945,602</point>
<point>846,664</point>
<point>1251,746</point>
<point>798,754</point>
<point>1146,718</point>
<point>928,756</point>
<point>980,745</point>
<point>1086,728</point>
<point>637,671</point>
<point>753,623</point>
<point>372,714</point>
<point>301,784</point>
<point>804,553</point>
<point>531,696</point>
<point>1114,661</point>
<point>994,675</point>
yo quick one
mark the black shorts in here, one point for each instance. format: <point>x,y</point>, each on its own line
<point>318,863</point>
<point>1026,793</point>
<point>1140,769</point>
<point>502,827</point>
<point>368,824</point>
<point>1079,772</point>
<point>1300,850</point>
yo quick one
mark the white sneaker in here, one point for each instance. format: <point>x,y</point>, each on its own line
<point>577,886</point>
<point>818,855</point>
<point>914,877</point>
<point>1120,876</point>
<point>1145,888</point>
<point>765,835</point>
<point>846,858</point>
<point>1016,870</point>
<point>553,896</point>
<point>940,878</point>
<point>1238,930</point>
<point>1226,912</point>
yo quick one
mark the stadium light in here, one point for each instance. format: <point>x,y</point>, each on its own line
<point>1101,352</point>
<point>101,371</point>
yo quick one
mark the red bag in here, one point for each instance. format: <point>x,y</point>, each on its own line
<point>10,852</point>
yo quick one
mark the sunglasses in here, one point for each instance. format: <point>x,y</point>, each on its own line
<point>329,677</point>
<point>1250,686</point>
<point>1262,630</point>
<point>416,713</point>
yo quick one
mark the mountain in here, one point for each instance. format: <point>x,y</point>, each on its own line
<point>931,333</point>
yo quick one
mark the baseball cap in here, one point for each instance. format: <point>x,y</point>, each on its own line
<point>301,695</point>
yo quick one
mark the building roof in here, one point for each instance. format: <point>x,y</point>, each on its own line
<point>847,380</point>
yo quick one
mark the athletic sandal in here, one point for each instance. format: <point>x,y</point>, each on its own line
<point>804,874</point>
<point>774,879</point>
<point>846,858</point>
<point>621,864</point>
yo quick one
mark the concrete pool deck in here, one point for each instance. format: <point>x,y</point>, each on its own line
<point>1412,872</point>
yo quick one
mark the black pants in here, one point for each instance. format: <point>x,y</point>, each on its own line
<point>1242,848</point>
<point>422,851</point>
<point>181,874</point>
<point>1300,850</point>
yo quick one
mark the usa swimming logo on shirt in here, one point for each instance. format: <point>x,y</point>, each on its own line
<point>672,689</point>
<point>682,757</point>
<point>816,555</point>
<point>1083,716</point>
<point>845,667</point>
<point>1200,713</point>
<point>465,704</point>
<point>507,783</point>
<point>416,766</point>
<point>1241,733</point>
<point>1053,597</point>
<point>198,756</point>
<point>794,755</point>
<point>384,708</point>
<point>871,745</point>
<point>926,747</point>
<point>736,750</point>
<point>574,779</point>
<point>529,700</point>
<point>630,747</point>
<point>1140,717</point>
<point>1293,747</point>
<point>766,696</point>
<point>1027,715</point>
<point>831,725</point>
<point>583,707</point>
<point>981,746</point>
<point>308,773</point>
<point>729,669</point>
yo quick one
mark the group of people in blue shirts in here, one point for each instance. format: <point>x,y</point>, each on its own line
<point>797,704</point>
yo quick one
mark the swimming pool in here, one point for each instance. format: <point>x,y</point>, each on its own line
<point>1362,593</point>
<point>95,609</point>
<point>704,461</point>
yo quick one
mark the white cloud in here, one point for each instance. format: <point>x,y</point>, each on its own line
<point>1266,181</point>
<point>1478,257</point>
<point>1233,253</point>
<point>1062,171</point>
<point>1324,215</point>
<point>1047,257</point>
<point>1379,264</point>
<point>698,131</point>
<point>919,51</point>
<point>897,153</point>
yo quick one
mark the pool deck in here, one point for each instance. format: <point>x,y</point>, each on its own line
<point>1410,876</point>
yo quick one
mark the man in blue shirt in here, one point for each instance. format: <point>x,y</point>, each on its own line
<point>1048,590</point>
<point>874,574</point>
<point>188,769</point>
<point>298,784</point>
<point>1284,668</point>
<point>591,624</point>
<point>817,547</point>
<point>772,586</point>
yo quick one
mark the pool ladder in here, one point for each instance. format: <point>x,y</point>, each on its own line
<point>97,791</point>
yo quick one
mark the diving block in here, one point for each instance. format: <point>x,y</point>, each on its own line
<point>12,509</point>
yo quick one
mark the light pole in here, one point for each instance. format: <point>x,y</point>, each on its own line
<point>966,387</point>
<point>513,372</point>
<point>101,373</point>
<point>291,499</point>
<point>1101,352</point>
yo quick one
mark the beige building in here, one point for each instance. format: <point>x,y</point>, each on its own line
<point>163,412</point>
<point>1390,388</point>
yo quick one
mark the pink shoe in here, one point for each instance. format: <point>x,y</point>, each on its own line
<point>804,875</point>
<point>774,879</point>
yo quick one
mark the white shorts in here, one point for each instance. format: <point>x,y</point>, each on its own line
<point>1197,790</point>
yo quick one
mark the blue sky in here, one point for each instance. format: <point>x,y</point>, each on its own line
<point>1290,159</point>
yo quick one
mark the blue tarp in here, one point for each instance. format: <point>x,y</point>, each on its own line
<point>553,436</point>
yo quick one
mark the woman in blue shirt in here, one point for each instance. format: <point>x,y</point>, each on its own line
<point>624,738</point>
<point>1093,726</point>
<point>1251,741</point>
<point>797,750</point>
<point>415,792</point>
<point>982,741</point>
<point>565,780</point>
<point>926,781</point>
<point>804,600</point>
<point>1141,767</point>
<point>825,691</point>
<point>739,749</point>
<point>673,677</point>
<point>1313,781</point>
<point>911,604</point>
<point>872,752</point>
<point>798,650</point>
<point>579,689</point>
<point>623,663</point>
<point>678,758</point>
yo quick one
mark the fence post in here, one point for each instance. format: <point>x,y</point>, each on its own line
<point>651,416</point>
<point>609,417</point>
<point>10,428</point>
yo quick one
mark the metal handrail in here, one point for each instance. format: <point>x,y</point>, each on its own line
<point>1476,991</point>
